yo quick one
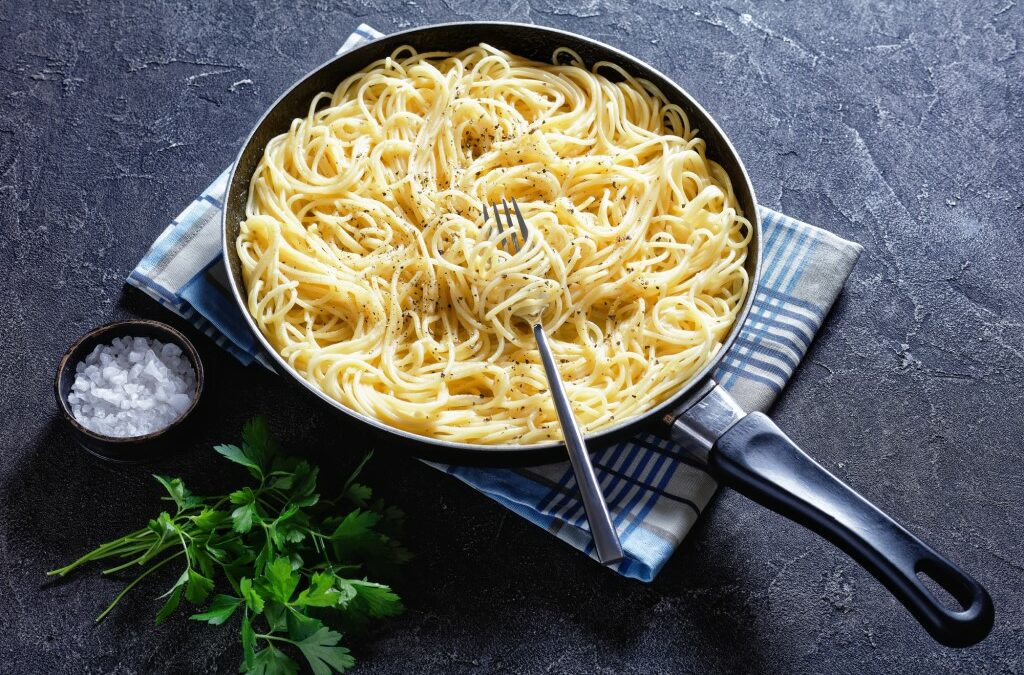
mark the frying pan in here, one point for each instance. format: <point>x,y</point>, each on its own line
<point>747,452</point>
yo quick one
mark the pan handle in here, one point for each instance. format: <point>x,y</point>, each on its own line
<point>753,456</point>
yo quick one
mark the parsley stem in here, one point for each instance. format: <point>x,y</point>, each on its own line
<point>134,582</point>
<point>112,548</point>
<point>184,548</point>
<point>140,560</point>
<point>274,492</point>
<point>352,477</point>
<point>279,473</point>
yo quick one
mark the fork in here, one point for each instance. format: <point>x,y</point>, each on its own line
<point>606,539</point>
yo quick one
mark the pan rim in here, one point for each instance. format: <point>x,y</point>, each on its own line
<point>552,451</point>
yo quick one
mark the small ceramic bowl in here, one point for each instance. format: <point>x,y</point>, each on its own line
<point>151,446</point>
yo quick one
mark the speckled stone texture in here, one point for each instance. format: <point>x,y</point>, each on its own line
<point>896,124</point>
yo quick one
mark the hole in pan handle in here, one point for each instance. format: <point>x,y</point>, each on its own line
<point>750,454</point>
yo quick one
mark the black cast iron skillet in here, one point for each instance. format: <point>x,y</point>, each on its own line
<point>745,451</point>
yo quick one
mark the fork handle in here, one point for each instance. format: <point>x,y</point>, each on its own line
<point>606,540</point>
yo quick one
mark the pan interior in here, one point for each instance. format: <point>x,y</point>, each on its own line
<point>529,41</point>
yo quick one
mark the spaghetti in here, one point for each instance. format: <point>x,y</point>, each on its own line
<point>370,268</point>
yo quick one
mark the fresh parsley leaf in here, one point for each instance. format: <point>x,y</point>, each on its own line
<point>202,558</point>
<point>179,493</point>
<point>290,512</point>
<point>242,517</point>
<point>300,626</point>
<point>243,496</point>
<point>210,519</point>
<point>303,490</point>
<point>248,642</point>
<point>359,494</point>
<point>272,661</point>
<point>163,526</point>
<point>392,520</point>
<point>283,482</point>
<point>288,533</point>
<point>287,528</point>
<point>257,443</point>
<point>238,456</point>
<point>356,526</point>
<point>198,587</point>
<point>252,596</point>
<point>172,604</point>
<point>264,557</point>
<point>220,610</point>
<point>276,615</point>
<point>323,654</point>
<point>177,584</point>
<point>377,600</point>
<point>279,581</point>
<point>364,600</point>
<point>321,592</point>
<point>235,557</point>
<point>356,539</point>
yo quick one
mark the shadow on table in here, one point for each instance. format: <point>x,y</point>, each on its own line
<point>57,500</point>
<point>487,573</point>
<point>478,570</point>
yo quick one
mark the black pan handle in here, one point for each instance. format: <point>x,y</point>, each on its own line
<point>758,460</point>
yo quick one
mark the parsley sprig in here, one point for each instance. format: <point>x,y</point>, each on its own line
<point>295,563</point>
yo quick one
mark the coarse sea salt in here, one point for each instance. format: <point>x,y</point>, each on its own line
<point>132,387</point>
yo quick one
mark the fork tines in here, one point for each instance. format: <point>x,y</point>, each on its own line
<point>514,246</point>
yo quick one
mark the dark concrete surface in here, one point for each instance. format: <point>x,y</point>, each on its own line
<point>897,124</point>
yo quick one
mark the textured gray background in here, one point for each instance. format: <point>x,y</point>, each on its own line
<point>896,124</point>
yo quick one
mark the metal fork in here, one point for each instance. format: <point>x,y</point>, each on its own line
<point>606,540</point>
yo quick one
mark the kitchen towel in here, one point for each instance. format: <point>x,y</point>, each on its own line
<point>654,497</point>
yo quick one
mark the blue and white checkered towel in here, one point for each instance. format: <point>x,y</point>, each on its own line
<point>654,497</point>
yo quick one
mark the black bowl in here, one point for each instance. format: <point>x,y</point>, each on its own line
<point>131,449</point>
